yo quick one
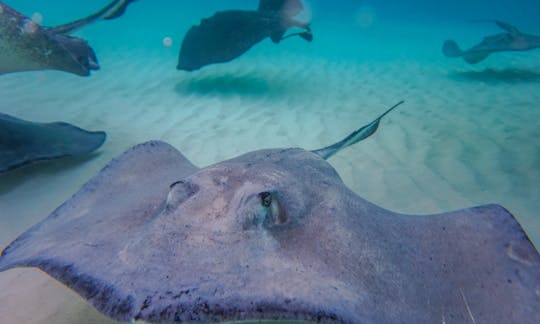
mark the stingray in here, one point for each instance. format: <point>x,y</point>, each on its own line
<point>512,40</point>
<point>275,234</point>
<point>27,46</point>
<point>228,34</point>
<point>23,142</point>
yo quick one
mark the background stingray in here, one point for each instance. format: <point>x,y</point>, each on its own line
<point>23,142</point>
<point>513,40</point>
<point>274,234</point>
<point>228,34</point>
<point>26,46</point>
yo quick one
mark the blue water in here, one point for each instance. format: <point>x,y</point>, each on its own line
<point>467,135</point>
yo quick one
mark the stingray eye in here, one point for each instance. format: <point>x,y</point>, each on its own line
<point>263,209</point>
<point>266,199</point>
<point>274,215</point>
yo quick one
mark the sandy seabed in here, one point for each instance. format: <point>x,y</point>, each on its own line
<point>465,135</point>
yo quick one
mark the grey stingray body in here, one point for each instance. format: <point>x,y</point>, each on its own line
<point>27,46</point>
<point>274,234</point>
<point>23,142</point>
<point>228,34</point>
<point>512,40</point>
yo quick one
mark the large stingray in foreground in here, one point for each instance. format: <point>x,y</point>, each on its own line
<point>228,34</point>
<point>512,40</point>
<point>26,46</point>
<point>23,142</point>
<point>275,234</point>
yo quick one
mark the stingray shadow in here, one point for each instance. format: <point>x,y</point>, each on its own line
<point>13,178</point>
<point>230,84</point>
<point>493,75</point>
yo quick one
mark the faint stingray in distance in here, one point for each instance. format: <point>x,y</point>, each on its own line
<point>26,46</point>
<point>513,40</point>
<point>275,234</point>
<point>228,34</point>
<point>23,142</point>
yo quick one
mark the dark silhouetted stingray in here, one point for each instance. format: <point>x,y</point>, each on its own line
<point>275,234</point>
<point>228,34</point>
<point>512,40</point>
<point>23,142</point>
<point>26,46</point>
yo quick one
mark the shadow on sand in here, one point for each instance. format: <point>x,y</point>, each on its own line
<point>230,84</point>
<point>493,75</point>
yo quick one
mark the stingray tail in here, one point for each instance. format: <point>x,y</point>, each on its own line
<point>119,10</point>
<point>113,10</point>
<point>355,137</point>
<point>451,49</point>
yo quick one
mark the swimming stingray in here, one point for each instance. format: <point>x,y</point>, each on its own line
<point>228,34</point>
<point>512,40</point>
<point>275,234</point>
<point>23,142</point>
<point>26,46</point>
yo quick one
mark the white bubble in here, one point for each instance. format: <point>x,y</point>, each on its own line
<point>37,18</point>
<point>167,41</point>
<point>365,16</point>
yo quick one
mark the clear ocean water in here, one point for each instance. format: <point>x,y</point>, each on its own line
<point>467,134</point>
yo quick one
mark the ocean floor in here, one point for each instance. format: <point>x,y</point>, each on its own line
<point>466,135</point>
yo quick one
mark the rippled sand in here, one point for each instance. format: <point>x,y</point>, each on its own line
<point>465,136</point>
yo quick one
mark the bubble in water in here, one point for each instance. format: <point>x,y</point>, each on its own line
<point>37,18</point>
<point>365,16</point>
<point>29,26</point>
<point>167,41</point>
<point>1,9</point>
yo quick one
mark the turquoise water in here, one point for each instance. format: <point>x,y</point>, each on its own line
<point>467,134</point>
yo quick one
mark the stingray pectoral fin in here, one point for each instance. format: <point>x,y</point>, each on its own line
<point>451,49</point>
<point>355,137</point>
<point>129,185</point>
<point>475,57</point>
<point>477,260</point>
<point>113,208</point>
<point>23,142</point>
<point>220,38</point>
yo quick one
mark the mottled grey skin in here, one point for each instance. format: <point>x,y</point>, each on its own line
<point>513,40</point>
<point>26,46</point>
<point>228,34</point>
<point>274,234</point>
<point>23,142</point>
